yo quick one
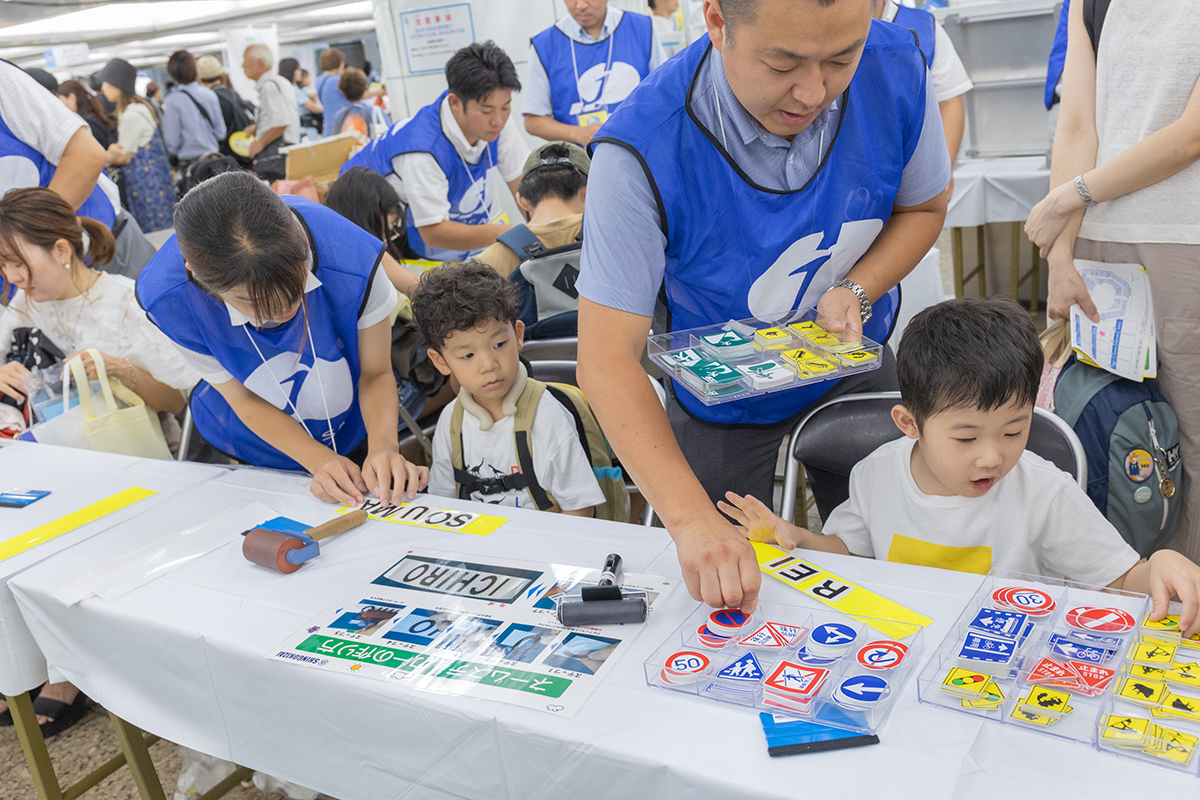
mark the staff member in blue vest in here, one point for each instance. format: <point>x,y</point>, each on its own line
<point>282,306</point>
<point>582,67</point>
<point>950,80</point>
<point>794,160</point>
<point>443,162</point>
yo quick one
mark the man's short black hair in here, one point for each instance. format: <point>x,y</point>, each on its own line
<point>557,180</point>
<point>461,297</point>
<point>737,12</point>
<point>479,69</point>
<point>969,352</point>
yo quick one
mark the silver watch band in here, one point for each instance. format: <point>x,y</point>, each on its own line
<point>1083,192</point>
<point>864,304</point>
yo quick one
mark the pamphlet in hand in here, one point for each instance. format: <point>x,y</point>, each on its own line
<point>1123,342</point>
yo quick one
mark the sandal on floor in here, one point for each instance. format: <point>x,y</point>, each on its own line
<point>63,715</point>
<point>6,719</point>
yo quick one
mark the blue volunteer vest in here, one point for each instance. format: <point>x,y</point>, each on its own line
<point>345,258</point>
<point>736,250</point>
<point>1058,55</point>
<point>923,25</point>
<point>589,84</point>
<point>470,193</point>
<point>97,206</point>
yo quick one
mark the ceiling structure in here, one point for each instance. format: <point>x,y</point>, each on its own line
<point>145,32</point>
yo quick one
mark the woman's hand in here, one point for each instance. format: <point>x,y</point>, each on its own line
<point>114,366</point>
<point>10,380</point>
<point>1049,217</point>
<point>393,478</point>
<point>842,312</point>
<point>338,480</point>
<point>1065,285</point>
<point>117,154</point>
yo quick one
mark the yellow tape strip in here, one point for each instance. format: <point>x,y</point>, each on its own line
<point>440,519</point>
<point>887,617</point>
<point>76,519</point>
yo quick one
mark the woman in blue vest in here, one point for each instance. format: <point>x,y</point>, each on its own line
<point>583,66</point>
<point>282,306</point>
<point>814,175</point>
<point>441,162</point>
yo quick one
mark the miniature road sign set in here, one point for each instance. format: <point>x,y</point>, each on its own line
<point>739,359</point>
<point>1083,663</point>
<point>820,666</point>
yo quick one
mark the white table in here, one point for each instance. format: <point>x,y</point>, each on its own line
<point>184,657</point>
<point>996,190</point>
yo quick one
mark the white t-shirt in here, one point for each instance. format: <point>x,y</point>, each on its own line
<point>40,120</point>
<point>949,76</point>
<point>107,318</point>
<point>421,183</point>
<point>559,460</point>
<point>1035,520</point>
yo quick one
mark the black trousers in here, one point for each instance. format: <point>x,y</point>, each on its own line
<point>742,458</point>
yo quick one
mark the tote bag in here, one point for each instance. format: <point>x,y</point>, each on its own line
<point>132,431</point>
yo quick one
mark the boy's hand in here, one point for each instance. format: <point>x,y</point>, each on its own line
<point>1173,575</point>
<point>758,523</point>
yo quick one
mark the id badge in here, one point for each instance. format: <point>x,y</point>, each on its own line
<point>595,116</point>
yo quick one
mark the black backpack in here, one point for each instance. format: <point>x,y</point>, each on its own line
<point>204,168</point>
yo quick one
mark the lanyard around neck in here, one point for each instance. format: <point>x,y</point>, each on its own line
<point>607,67</point>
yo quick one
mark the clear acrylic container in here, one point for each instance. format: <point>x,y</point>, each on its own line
<point>758,357</point>
<point>726,678</point>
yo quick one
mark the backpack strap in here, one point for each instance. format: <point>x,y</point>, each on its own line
<point>561,396</point>
<point>522,242</point>
<point>199,108</point>
<point>527,405</point>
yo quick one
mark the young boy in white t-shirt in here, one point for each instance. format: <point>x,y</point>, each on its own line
<point>961,491</point>
<point>468,314</point>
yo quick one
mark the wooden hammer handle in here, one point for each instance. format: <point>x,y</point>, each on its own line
<point>340,525</point>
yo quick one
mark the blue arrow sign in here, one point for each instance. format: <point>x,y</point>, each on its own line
<point>864,688</point>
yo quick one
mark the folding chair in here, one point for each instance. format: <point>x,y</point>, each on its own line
<point>564,349</point>
<point>830,440</point>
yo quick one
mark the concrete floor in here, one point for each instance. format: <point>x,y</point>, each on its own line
<point>92,742</point>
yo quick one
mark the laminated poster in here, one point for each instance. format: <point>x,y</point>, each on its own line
<point>471,625</point>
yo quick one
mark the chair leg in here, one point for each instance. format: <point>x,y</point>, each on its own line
<point>800,515</point>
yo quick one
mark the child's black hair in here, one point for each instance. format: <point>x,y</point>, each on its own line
<point>479,69</point>
<point>558,180</point>
<point>969,352</point>
<point>461,297</point>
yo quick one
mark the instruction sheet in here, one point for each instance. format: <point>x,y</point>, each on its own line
<point>469,625</point>
<point>1123,341</point>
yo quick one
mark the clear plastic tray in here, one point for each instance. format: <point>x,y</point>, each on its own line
<point>1078,712</point>
<point>747,358</point>
<point>722,680</point>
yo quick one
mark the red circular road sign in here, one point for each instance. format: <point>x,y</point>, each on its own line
<point>882,655</point>
<point>1100,620</point>
<point>687,662</point>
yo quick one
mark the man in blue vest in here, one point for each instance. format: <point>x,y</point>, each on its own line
<point>791,158</point>
<point>583,66</point>
<point>444,161</point>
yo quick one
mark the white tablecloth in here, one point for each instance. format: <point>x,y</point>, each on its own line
<point>184,657</point>
<point>76,478</point>
<point>996,190</point>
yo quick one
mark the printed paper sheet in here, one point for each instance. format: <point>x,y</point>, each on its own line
<point>1123,341</point>
<point>470,625</point>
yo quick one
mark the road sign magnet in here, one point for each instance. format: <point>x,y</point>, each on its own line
<point>1155,654</point>
<point>984,648</point>
<point>744,670</point>
<point>727,621</point>
<point>766,637</point>
<point>805,657</point>
<point>862,691</point>
<point>687,662</point>
<point>796,680</point>
<point>709,639</point>
<point>1100,620</point>
<point>881,655</point>
<point>998,622</point>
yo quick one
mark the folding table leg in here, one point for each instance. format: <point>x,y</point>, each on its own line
<point>1036,283</point>
<point>45,782</point>
<point>137,755</point>
<point>956,236</point>
<point>1016,260</point>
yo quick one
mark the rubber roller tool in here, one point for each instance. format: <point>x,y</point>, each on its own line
<point>605,603</point>
<point>286,552</point>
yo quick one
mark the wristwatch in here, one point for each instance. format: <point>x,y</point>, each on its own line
<point>864,305</point>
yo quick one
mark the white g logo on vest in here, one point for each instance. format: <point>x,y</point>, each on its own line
<point>303,389</point>
<point>476,203</point>
<point>18,172</point>
<point>778,288</point>
<point>605,86</point>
